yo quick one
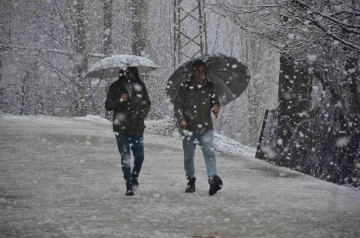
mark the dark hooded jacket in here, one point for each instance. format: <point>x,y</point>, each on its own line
<point>129,115</point>
<point>194,104</point>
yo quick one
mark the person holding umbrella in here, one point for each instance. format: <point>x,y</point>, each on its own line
<point>197,87</point>
<point>129,100</point>
<point>195,100</point>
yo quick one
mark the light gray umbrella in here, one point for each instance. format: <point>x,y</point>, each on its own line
<point>230,76</point>
<point>110,66</point>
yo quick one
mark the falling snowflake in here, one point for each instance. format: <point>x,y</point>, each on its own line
<point>342,141</point>
<point>311,58</point>
<point>137,87</point>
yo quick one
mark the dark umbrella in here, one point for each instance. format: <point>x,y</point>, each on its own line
<point>230,76</point>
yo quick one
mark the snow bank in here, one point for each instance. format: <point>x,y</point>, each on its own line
<point>15,117</point>
<point>165,127</point>
<point>94,118</point>
<point>230,146</point>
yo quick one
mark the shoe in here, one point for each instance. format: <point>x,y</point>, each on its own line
<point>191,185</point>
<point>129,190</point>
<point>135,182</point>
<point>215,184</point>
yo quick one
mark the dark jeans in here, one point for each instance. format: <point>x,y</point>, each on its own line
<point>135,142</point>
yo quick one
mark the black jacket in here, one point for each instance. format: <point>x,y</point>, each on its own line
<point>129,115</point>
<point>194,104</point>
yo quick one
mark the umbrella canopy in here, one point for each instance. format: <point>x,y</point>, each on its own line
<point>110,66</point>
<point>229,76</point>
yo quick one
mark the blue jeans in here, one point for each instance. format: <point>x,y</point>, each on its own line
<point>206,142</point>
<point>136,143</point>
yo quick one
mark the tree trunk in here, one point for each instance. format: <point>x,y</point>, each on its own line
<point>294,100</point>
<point>7,19</point>
<point>354,73</point>
<point>107,39</point>
<point>256,90</point>
<point>1,66</point>
<point>81,57</point>
<point>107,23</point>
<point>139,37</point>
<point>24,92</point>
<point>349,126</point>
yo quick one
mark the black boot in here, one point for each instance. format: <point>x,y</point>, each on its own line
<point>191,185</point>
<point>215,184</point>
<point>135,182</point>
<point>129,189</point>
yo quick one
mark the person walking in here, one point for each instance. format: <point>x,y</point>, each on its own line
<point>193,104</point>
<point>129,100</point>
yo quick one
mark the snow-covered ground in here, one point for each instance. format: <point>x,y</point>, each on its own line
<point>61,177</point>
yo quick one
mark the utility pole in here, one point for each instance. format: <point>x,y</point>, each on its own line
<point>187,42</point>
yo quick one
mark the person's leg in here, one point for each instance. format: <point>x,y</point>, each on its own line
<point>124,149</point>
<point>207,146</point>
<point>189,152</point>
<point>206,142</point>
<point>137,147</point>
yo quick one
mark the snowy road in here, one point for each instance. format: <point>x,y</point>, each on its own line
<point>62,178</point>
